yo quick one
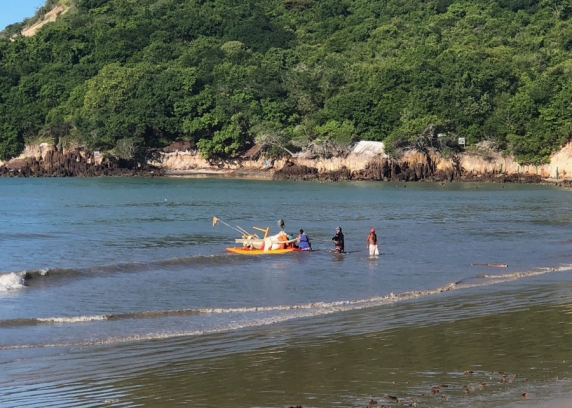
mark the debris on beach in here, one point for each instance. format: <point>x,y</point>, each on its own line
<point>480,383</point>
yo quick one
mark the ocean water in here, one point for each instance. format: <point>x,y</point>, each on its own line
<point>119,292</point>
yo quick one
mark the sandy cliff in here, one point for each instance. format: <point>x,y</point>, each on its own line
<point>366,162</point>
<point>483,161</point>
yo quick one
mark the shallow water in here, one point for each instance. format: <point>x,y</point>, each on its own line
<point>119,292</point>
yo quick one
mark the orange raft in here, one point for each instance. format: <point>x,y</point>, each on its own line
<point>249,251</point>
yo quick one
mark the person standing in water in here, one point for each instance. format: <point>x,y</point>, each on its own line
<point>371,243</point>
<point>304,241</point>
<point>339,240</point>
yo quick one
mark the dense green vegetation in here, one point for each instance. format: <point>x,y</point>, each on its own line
<point>127,74</point>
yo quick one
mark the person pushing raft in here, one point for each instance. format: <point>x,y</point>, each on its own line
<point>339,240</point>
<point>304,241</point>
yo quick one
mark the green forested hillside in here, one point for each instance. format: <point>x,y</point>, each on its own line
<point>141,73</point>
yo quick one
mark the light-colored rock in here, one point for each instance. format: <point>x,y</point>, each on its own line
<point>189,160</point>
<point>484,160</point>
<point>487,160</point>
<point>370,149</point>
<point>38,151</point>
<point>50,17</point>
<point>560,165</point>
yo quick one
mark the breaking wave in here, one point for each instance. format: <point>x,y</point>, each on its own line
<point>20,279</point>
<point>302,310</point>
<point>11,281</point>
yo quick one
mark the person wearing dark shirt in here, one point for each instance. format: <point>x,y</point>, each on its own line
<point>339,240</point>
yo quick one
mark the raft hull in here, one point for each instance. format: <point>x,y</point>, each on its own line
<point>248,251</point>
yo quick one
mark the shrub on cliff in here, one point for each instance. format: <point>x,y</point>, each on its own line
<point>11,143</point>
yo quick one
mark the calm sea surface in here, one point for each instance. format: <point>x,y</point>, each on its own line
<point>119,292</point>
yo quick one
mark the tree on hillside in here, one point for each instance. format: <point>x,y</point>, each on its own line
<point>116,73</point>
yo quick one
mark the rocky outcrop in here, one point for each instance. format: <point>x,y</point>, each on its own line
<point>402,170</point>
<point>74,163</point>
<point>182,159</point>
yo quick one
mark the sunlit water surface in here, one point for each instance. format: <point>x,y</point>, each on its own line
<point>119,291</point>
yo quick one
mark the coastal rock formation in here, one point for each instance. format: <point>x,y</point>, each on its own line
<point>481,163</point>
<point>54,163</point>
<point>404,171</point>
<point>182,159</point>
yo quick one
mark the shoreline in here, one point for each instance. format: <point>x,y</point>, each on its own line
<point>47,161</point>
<point>216,173</point>
<point>270,175</point>
<point>274,175</point>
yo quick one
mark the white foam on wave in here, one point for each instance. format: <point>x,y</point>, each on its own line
<point>11,281</point>
<point>72,319</point>
<point>308,310</point>
<point>518,275</point>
